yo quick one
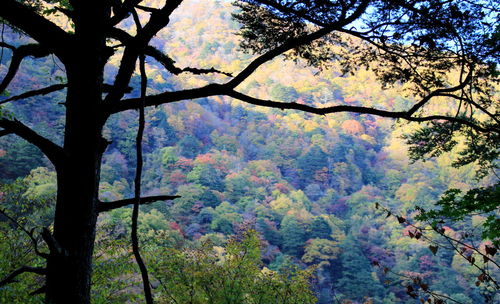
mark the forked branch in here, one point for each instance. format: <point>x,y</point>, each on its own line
<point>19,53</point>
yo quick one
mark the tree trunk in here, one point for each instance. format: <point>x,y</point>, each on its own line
<point>69,266</point>
<point>70,263</point>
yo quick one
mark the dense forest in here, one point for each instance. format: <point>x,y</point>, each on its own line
<point>266,203</point>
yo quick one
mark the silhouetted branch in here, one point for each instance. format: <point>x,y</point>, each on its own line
<point>103,207</point>
<point>7,46</point>
<point>138,174</point>
<point>11,277</point>
<point>5,132</point>
<point>53,152</point>
<point>18,55</point>
<point>355,109</point>
<point>136,46</point>
<point>296,42</point>
<point>167,62</point>
<point>29,233</point>
<point>39,291</point>
<point>38,92</point>
<point>37,27</point>
<point>166,97</point>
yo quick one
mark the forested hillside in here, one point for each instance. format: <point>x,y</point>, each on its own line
<point>330,200</point>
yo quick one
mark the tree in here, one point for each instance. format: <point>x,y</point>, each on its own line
<point>440,50</point>
<point>356,273</point>
<point>230,274</point>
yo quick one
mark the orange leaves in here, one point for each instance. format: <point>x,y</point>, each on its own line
<point>353,127</point>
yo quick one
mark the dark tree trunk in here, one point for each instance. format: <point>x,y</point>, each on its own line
<point>69,266</point>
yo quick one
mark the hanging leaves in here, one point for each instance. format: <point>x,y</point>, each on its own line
<point>433,249</point>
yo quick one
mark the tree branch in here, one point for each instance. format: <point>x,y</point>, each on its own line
<point>355,109</point>
<point>138,176</point>
<point>108,206</point>
<point>5,132</point>
<point>295,42</point>
<point>18,55</point>
<point>37,27</point>
<point>166,97</point>
<point>53,152</point>
<point>438,92</point>
<point>159,19</point>
<point>10,278</point>
<point>167,62</point>
<point>29,233</point>
<point>42,91</point>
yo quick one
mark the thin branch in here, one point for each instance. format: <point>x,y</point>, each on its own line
<point>159,19</point>
<point>29,233</point>
<point>7,46</point>
<point>11,277</point>
<point>40,290</point>
<point>355,109</point>
<point>35,50</point>
<point>146,8</point>
<point>38,92</point>
<point>295,42</point>
<point>167,62</point>
<point>107,206</point>
<point>53,152</point>
<point>437,92</point>
<point>138,175</point>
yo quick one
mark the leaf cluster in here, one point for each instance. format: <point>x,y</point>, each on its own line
<point>456,206</point>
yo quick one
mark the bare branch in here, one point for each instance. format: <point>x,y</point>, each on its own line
<point>146,285</point>
<point>7,46</point>
<point>38,92</point>
<point>29,233</point>
<point>438,92</point>
<point>356,109</point>
<point>166,97</point>
<point>295,42</point>
<point>39,290</point>
<point>310,109</point>
<point>167,62</point>
<point>11,277</point>
<point>146,8</point>
<point>18,55</point>
<point>37,27</point>
<point>159,19</point>
<point>5,132</point>
<point>107,206</point>
<point>53,152</point>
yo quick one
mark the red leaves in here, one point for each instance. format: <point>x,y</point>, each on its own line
<point>490,250</point>
<point>415,234</point>
<point>411,292</point>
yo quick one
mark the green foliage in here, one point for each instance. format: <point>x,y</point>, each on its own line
<point>357,281</point>
<point>294,236</point>
<point>483,149</point>
<point>456,206</point>
<point>228,275</point>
